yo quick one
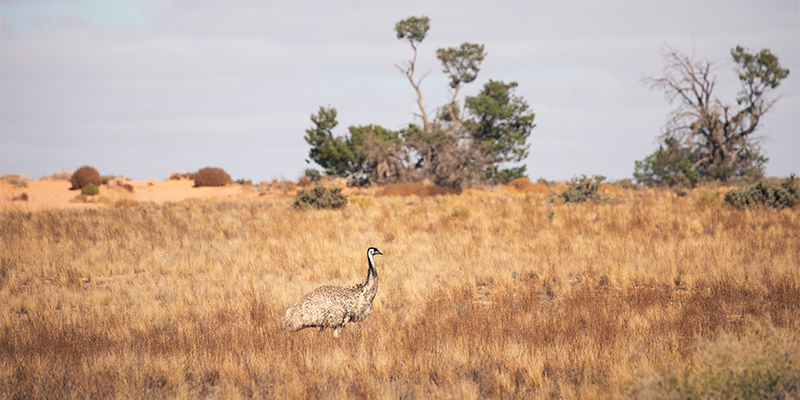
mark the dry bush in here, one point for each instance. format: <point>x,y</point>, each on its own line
<point>85,198</point>
<point>125,203</point>
<point>176,176</point>
<point>59,176</point>
<point>17,180</point>
<point>85,175</point>
<point>21,197</point>
<point>320,197</point>
<point>416,189</point>
<point>211,176</point>
<point>283,186</point>
<point>184,300</point>
<point>305,182</point>
<point>608,188</point>
<point>761,362</point>
<point>524,185</point>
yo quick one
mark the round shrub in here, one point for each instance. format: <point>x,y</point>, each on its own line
<point>90,190</point>
<point>17,180</point>
<point>786,194</point>
<point>320,197</point>
<point>85,175</point>
<point>210,176</point>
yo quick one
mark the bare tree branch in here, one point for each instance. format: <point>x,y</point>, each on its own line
<point>721,132</point>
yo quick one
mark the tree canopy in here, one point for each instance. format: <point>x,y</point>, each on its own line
<point>449,149</point>
<point>721,135</point>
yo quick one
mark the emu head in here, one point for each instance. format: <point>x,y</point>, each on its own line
<point>372,251</point>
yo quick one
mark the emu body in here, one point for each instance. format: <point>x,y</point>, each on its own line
<point>334,306</point>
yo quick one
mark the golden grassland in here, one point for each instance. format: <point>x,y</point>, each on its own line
<point>480,296</point>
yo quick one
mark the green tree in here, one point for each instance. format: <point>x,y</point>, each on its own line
<point>670,165</point>
<point>721,134</point>
<point>502,124</point>
<point>461,64</point>
<point>356,155</point>
<point>447,149</point>
<point>338,156</point>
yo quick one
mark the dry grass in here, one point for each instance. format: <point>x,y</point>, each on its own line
<point>415,189</point>
<point>480,296</point>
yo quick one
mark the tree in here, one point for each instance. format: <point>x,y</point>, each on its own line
<point>670,165</point>
<point>367,154</point>
<point>380,152</point>
<point>449,148</point>
<point>440,151</point>
<point>331,153</point>
<point>721,134</point>
<point>461,64</point>
<point>414,29</point>
<point>447,160</point>
<point>501,125</point>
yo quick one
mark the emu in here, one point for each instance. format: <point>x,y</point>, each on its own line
<point>334,306</point>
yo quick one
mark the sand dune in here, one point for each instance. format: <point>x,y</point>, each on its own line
<point>47,194</point>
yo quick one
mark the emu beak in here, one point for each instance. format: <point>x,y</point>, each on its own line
<point>378,252</point>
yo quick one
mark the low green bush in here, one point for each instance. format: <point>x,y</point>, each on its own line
<point>708,199</point>
<point>90,190</point>
<point>320,197</point>
<point>783,195</point>
<point>313,174</point>
<point>582,189</point>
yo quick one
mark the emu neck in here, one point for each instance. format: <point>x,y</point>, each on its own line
<point>371,283</point>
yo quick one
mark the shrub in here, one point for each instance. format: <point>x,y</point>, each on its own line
<point>285,186</point>
<point>17,180</point>
<point>761,364</point>
<point>785,194</point>
<point>60,176</point>
<point>320,197</point>
<point>670,165</point>
<point>85,175</point>
<point>313,174</point>
<point>524,185</point>
<point>304,182</point>
<point>125,203</point>
<point>626,184</point>
<point>547,183</point>
<point>582,189</point>
<point>210,176</point>
<point>90,190</point>
<point>176,176</point>
<point>708,199</point>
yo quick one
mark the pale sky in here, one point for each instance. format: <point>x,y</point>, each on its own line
<point>145,88</point>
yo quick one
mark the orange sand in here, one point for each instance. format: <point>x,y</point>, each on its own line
<point>46,194</point>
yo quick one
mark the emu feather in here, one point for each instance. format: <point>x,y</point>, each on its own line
<point>334,306</point>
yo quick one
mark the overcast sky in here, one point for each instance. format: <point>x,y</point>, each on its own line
<point>145,88</point>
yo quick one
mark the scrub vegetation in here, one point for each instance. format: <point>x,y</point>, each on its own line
<point>482,295</point>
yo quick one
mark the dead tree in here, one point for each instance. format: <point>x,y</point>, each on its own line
<point>722,133</point>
